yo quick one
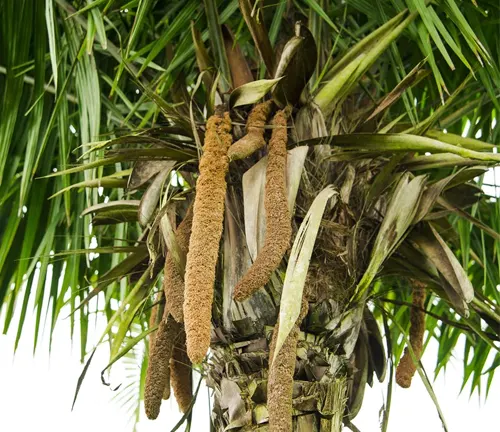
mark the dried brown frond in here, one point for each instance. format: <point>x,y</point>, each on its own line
<point>280,383</point>
<point>278,224</point>
<point>158,373</point>
<point>205,236</point>
<point>173,280</point>
<point>406,367</point>
<point>254,139</point>
<point>180,374</point>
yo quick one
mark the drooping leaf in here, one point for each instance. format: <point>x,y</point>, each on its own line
<point>112,205</point>
<point>439,253</point>
<point>253,183</point>
<point>144,171</point>
<point>398,217</point>
<point>398,143</point>
<point>151,197</point>
<point>251,93</point>
<point>298,265</point>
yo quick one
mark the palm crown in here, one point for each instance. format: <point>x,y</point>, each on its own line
<point>300,163</point>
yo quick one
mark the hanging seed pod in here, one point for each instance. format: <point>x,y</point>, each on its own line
<point>208,215</point>
<point>406,367</point>
<point>280,383</point>
<point>158,373</point>
<point>180,374</point>
<point>254,139</point>
<point>173,280</point>
<point>156,312</point>
<point>152,323</point>
<point>278,225</point>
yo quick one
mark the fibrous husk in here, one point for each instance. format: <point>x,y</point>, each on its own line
<point>254,138</point>
<point>158,373</point>
<point>278,224</point>
<point>205,236</point>
<point>180,374</point>
<point>173,280</point>
<point>406,367</point>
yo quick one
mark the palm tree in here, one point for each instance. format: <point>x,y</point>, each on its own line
<point>291,187</point>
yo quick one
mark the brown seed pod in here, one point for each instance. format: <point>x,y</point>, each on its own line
<point>152,323</point>
<point>208,215</point>
<point>254,139</point>
<point>158,373</point>
<point>278,224</point>
<point>173,280</point>
<point>280,382</point>
<point>406,367</point>
<point>156,310</point>
<point>180,374</point>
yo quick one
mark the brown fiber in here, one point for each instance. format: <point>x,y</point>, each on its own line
<point>278,224</point>
<point>406,367</point>
<point>254,139</point>
<point>180,374</point>
<point>158,373</point>
<point>280,382</point>
<point>173,280</point>
<point>205,236</point>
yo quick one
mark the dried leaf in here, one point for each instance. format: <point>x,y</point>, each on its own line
<point>413,77</point>
<point>398,218</point>
<point>251,93</point>
<point>298,265</point>
<point>435,248</point>
<point>376,350</point>
<point>434,190</point>
<point>144,170</point>
<point>240,71</point>
<point>296,66</point>
<point>151,197</point>
<point>295,165</point>
<point>254,181</point>
<point>259,33</point>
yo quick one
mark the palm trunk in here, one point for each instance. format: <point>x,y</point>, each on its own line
<point>238,368</point>
<point>238,375</point>
<point>339,348</point>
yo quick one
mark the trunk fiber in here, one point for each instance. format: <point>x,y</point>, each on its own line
<point>238,374</point>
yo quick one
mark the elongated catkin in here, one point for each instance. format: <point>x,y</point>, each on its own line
<point>173,280</point>
<point>254,138</point>
<point>156,312</point>
<point>181,374</point>
<point>158,373</point>
<point>406,367</point>
<point>278,224</point>
<point>152,323</point>
<point>208,216</point>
